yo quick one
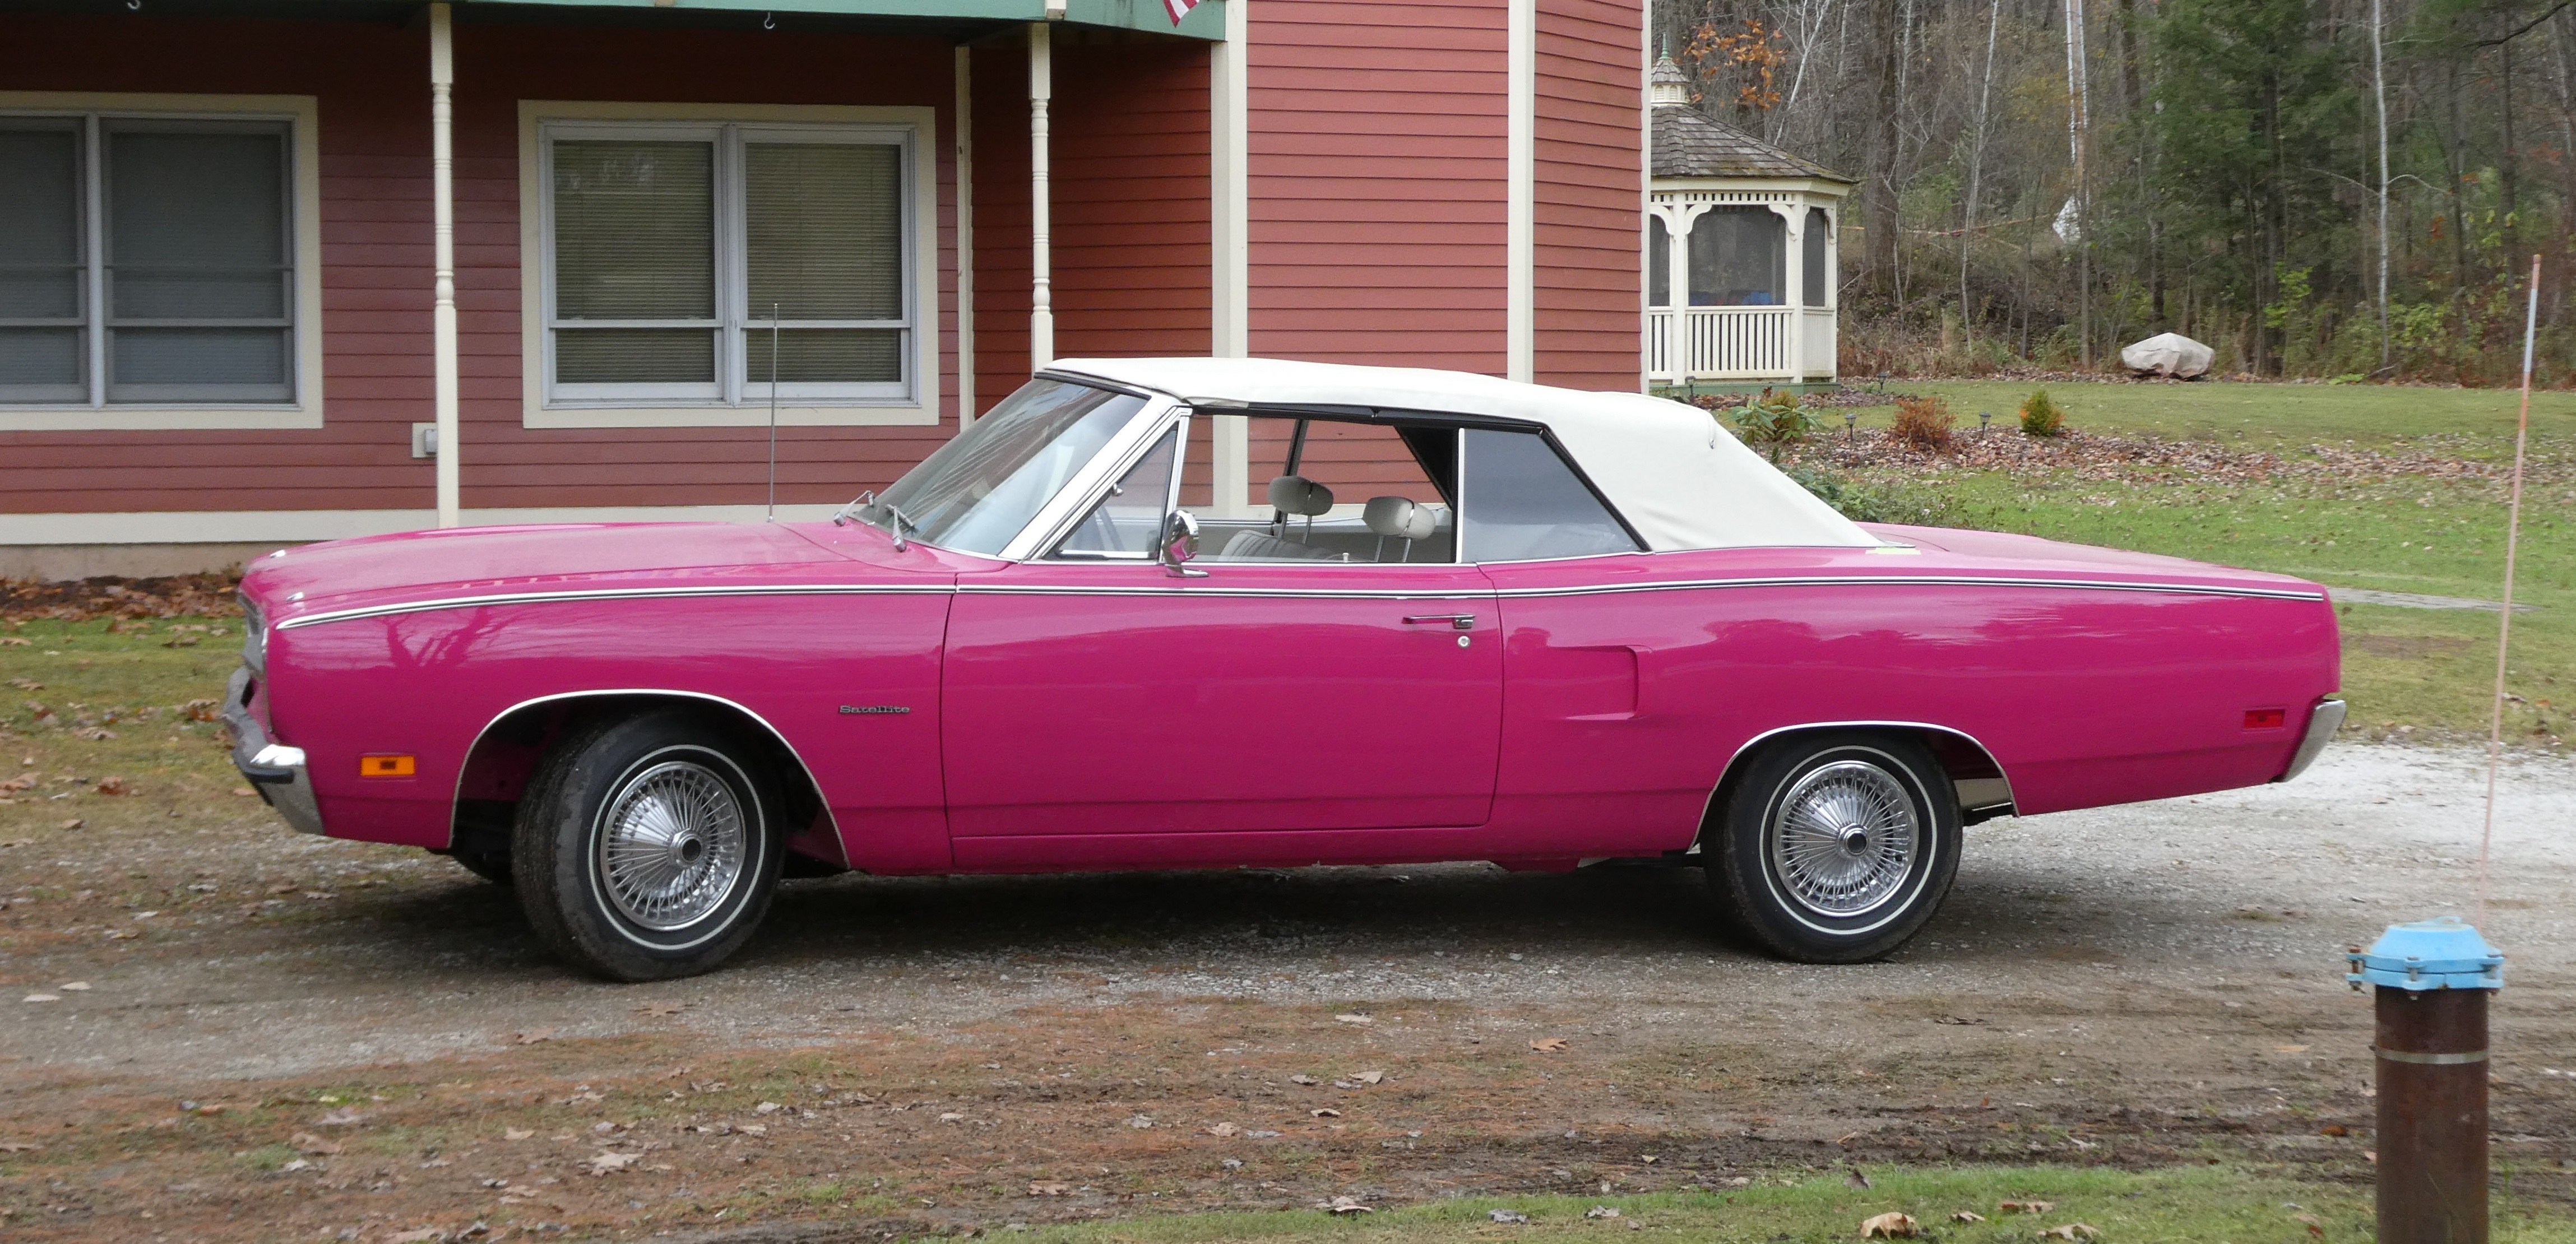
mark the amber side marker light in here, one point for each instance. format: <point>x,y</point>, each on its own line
<point>2255,719</point>
<point>401,766</point>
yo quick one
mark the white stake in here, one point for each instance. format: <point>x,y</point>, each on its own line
<point>2504,628</point>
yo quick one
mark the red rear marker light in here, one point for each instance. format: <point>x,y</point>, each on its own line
<point>401,766</point>
<point>2266,718</point>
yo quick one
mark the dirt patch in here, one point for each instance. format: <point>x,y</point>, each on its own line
<point>84,600</point>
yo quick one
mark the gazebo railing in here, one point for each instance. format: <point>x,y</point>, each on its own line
<point>1723,343</point>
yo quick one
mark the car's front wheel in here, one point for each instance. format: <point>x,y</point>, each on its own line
<point>644,848</point>
<point>1836,848</point>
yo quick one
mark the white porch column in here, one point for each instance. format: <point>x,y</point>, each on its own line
<point>1230,242</point>
<point>1041,281</point>
<point>965,157</point>
<point>442,216</point>
<point>1792,265</point>
<point>1520,212</point>
<point>1678,222</point>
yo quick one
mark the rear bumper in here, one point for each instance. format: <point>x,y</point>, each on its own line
<point>2323,721</point>
<point>275,770</point>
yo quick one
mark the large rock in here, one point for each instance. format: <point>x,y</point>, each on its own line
<point>2168,354</point>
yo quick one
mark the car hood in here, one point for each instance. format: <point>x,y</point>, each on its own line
<point>378,568</point>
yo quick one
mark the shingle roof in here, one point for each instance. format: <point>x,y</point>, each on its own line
<point>1690,143</point>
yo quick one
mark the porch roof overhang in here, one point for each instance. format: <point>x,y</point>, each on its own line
<point>1819,186</point>
<point>1206,21</point>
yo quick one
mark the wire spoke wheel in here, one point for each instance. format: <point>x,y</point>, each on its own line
<point>1844,839</point>
<point>672,846</point>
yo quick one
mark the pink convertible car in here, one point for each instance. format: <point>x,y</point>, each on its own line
<point>1194,613</point>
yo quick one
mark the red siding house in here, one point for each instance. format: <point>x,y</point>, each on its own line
<point>285,270</point>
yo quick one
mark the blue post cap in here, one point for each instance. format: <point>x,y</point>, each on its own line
<point>2441,953</point>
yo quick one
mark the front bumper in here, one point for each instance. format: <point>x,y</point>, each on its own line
<point>2322,724</point>
<point>275,770</point>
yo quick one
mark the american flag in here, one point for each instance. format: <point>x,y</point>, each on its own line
<point>1179,9</point>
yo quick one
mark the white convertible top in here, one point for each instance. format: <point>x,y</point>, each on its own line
<point>1677,475</point>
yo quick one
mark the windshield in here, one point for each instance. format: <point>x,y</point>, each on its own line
<point>981,488</point>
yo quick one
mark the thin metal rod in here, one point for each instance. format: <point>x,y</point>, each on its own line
<point>773,412</point>
<point>449,463</point>
<point>2504,627</point>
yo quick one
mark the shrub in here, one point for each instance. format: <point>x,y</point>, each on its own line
<point>1887,502</point>
<point>1774,419</point>
<point>1923,423</point>
<point>2040,416</point>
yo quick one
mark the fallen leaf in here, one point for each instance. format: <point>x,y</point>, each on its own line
<point>1890,1226</point>
<point>604,1162</point>
<point>753,1129</point>
<point>74,823</point>
<point>340,1118</point>
<point>244,792</point>
<point>1325,1112</point>
<point>2071,1231</point>
<point>18,1146</point>
<point>114,786</point>
<point>1223,1129</point>
<point>517,1133</point>
<point>1365,1077</point>
<point>41,997</point>
<point>1049,1187</point>
<point>2371,1156</point>
<point>1302,1078</point>
<point>531,1038</point>
<point>1601,1211</point>
<point>2289,1049</point>
<point>307,1142</point>
<point>1343,1205</point>
<point>1507,1215</point>
<point>2334,1129</point>
<point>299,1164</point>
<point>1353,1019</point>
<point>1139,1121</point>
<point>74,986</point>
<point>1548,1045</point>
<point>1967,1215</point>
<point>952,1117</point>
<point>2316,1228</point>
<point>2026,1207</point>
<point>423,1235</point>
<point>767,1107</point>
<point>1856,1177</point>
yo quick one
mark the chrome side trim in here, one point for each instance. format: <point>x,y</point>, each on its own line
<point>613,593</point>
<point>457,798</point>
<point>2323,721</point>
<point>2093,585</point>
<point>1524,593</point>
<point>2005,781</point>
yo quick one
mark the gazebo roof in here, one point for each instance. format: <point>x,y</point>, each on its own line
<point>1690,143</point>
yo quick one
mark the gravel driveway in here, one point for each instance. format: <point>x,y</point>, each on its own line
<point>2180,960</point>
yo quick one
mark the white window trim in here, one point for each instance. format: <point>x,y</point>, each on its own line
<point>918,406</point>
<point>301,113</point>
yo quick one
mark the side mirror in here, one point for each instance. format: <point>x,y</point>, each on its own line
<point>1180,544</point>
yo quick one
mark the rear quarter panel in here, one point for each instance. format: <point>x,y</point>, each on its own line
<point>2084,695</point>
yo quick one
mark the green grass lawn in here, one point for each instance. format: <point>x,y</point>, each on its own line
<point>2430,673</point>
<point>2201,1204</point>
<point>2266,416</point>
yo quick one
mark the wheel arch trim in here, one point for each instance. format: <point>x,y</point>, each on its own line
<point>456,799</point>
<point>1735,762</point>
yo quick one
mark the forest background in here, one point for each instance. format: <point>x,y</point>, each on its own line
<point>2332,189</point>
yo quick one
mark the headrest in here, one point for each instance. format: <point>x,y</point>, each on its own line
<point>1296,494</point>
<point>1400,517</point>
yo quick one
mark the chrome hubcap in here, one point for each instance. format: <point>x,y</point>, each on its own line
<point>1844,838</point>
<point>672,847</point>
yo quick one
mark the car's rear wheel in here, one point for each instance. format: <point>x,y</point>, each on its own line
<point>645,849</point>
<point>1836,848</point>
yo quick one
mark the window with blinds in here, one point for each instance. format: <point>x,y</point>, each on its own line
<point>699,264</point>
<point>145,261</point>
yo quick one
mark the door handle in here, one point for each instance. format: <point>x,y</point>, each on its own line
<point>1457,621</point>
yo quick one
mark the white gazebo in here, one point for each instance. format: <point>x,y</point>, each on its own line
<point>1741,252</point>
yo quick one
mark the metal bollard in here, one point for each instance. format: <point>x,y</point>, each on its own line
<point>2432,979</point>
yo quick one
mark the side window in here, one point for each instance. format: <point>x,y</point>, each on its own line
<point>1321,489</point>
<point>1519,501</point>
<point>1127,521</point>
